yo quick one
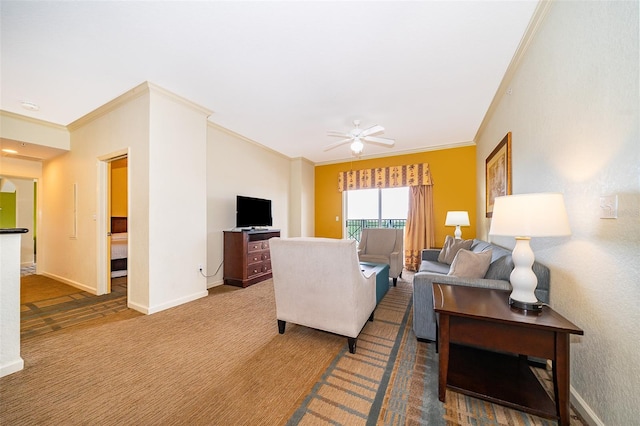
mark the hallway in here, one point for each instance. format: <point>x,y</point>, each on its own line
<point>47,305</point>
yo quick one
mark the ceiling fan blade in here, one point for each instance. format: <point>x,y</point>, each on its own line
<point>336,144</point>
<point>373,130</point>
<point>338,134</point>
<point>382,141</point>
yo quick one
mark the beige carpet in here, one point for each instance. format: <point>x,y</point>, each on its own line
<point>48,305</point>
<point>220,360</point>
<point>36,288</point>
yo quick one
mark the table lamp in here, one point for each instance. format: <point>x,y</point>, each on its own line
<point>525,216</point>
<point>457,219</point>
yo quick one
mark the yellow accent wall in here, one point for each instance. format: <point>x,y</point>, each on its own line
<point>119,188</point>
<point>454,181</point>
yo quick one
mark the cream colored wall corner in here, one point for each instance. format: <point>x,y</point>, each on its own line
<point>77,260</point>
<point>301,214</point>
<point>164,137</point>
<point>573,110</point>
<point>239,166</point>
<point>177,200</point>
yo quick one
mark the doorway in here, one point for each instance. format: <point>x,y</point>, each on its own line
<point>18,209</point>
<point>113,223</point>
<point>118,221</point>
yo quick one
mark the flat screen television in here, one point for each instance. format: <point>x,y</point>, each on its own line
<point>253,212</point>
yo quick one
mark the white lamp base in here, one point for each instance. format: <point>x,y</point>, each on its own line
<point>458,232</point>
<point>523,280</point>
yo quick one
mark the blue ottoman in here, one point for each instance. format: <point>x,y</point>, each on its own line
<point>382,277</point>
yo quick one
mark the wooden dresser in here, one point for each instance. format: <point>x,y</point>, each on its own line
<point>247,259</point>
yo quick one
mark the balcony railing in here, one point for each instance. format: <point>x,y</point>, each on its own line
<point>355,226</point>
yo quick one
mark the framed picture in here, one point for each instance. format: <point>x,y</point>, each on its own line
<point>498,173</point>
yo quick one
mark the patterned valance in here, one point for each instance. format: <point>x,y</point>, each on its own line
<point>385,177</point>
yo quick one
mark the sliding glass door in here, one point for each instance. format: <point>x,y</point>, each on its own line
<point>375,208</point>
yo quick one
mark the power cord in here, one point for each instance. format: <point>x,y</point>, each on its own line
<point>214,274</point>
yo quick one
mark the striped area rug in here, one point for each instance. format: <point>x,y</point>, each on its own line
<point>392,379</point>
<point>373,386</point>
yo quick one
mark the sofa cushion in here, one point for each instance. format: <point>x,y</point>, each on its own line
<point>451,247</point>
<point>500,269</point>
<point>432,266</point>
<point>468,264</point>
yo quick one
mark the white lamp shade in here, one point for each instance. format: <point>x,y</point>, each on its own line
<point>530,215</point>
<point>455,218</point>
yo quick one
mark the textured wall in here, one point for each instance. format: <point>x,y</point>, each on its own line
<point>573,111</point>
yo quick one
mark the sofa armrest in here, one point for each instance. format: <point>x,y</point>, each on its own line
<point>430,254</point>
<point>424,316</point>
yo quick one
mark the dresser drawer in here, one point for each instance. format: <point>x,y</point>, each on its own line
<point>258,268</point>
<point>257,245</point>
<point>258,256</point>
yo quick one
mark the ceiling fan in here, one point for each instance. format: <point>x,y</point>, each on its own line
<point>358,136</point>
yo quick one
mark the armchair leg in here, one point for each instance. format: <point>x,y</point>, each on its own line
<point>281,326</point>
<point>395,281</point>
<point>352,344</point>
<point>371,316</point>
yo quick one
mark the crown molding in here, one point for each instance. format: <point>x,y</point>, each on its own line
<point>32,120</point>
<point>128,96</point>
<point>141,89</point>
<point>245,139</point>
<point>532,29</point>
<point>397,153</point>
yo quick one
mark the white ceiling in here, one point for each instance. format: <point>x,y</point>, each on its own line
<point>281,73</point>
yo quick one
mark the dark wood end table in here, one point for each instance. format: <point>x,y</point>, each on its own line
<point>483,348</point>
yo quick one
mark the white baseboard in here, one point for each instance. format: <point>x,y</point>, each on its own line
<point>215,284</point>
<point>71,283</point>
<point>138,307</point>
<point>584,410</point>
<point>11,367</point>
<point>167,305</point>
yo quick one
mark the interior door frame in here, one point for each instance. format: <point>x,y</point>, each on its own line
<point>103,219</point>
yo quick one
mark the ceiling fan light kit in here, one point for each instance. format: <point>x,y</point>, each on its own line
<point>357,146</point>
<point>358,136</point>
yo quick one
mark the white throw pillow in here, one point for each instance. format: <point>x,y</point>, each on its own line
<point>468,264</point>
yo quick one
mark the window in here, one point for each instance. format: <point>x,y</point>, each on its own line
<point>375,208</point>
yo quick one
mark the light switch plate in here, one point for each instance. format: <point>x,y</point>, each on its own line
<point>609,207</point>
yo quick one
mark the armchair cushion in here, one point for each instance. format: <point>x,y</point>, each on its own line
<point>383,245</point>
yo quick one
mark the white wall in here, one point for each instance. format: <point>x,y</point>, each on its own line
<point>301,212</point>
<point>573,113</point>
<point>164,137</point>
<point>24,218</point>
<point>177,201</point>
<point>118,126</point>
<point>239,166</point>
<point>10,359</point>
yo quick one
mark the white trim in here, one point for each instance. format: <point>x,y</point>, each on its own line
<point>583,409</point>
<point>11,367</point>
<point>177,302</point>
<point>71,283</point>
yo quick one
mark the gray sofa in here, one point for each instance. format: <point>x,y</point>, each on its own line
<point>497,276</point>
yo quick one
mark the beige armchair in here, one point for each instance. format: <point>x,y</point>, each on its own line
<point>318,284</point>
<point>383,245</point>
